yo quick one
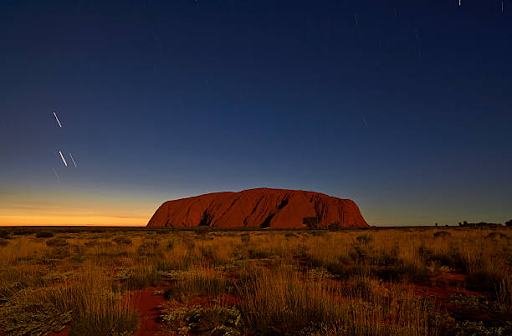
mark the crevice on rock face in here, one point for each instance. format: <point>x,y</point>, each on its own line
<point>206,219</point>
<point>266,222</point>
<point>283,204</point>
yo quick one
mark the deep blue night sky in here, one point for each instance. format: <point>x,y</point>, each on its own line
<point>403,106</point>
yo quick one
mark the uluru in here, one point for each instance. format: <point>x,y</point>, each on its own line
<point>261,207</point>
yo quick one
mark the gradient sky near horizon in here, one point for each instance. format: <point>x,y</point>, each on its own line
<point>403,106</point>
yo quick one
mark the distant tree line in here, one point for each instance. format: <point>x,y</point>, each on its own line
<point>484,224</point>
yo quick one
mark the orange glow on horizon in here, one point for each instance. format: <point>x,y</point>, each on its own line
<point>99,220</point>
<point>51,214</point>
<point>77,217</point>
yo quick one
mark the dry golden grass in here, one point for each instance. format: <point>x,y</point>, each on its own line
<point>353,282</point>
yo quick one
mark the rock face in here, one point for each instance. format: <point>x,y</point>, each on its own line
<point>263,207</point>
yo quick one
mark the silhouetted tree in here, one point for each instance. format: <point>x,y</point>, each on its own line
<point>335,226</point>
<point>311,222</point>
<point>509,223</point>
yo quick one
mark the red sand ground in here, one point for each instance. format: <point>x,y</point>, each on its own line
<point>443,287</point>
<point>64,332</point>
<point>147,306</point>
<point>263,207</point>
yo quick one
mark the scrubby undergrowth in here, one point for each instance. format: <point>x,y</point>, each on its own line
<point>354,282</point>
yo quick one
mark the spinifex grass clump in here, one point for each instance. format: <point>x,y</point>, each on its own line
<point>139,277</point>
<point>504,295</point>
<point>148,247</point>
<point>87,301</point>
<point>283,301</point>
<point>200,282</point>
<point>109,319</point>
<point>95,308</point>
<point>57,242</point>
<point>121,240</point>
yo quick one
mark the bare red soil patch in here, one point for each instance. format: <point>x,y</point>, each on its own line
<point>444,293</point>
<point>148,306</point>
<point>64,332</point>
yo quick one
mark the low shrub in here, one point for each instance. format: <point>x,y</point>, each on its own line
<point>197,284</point>
<point>364,239</point>
<point>163,231</point>
<point>442,234</point>
<point>25,315</point>
<point>496,235</point>
<point>195,320</point>
<point>104,322</point>
<point>56,242</point>
<point>44,234</point>
<point>58,252</point>
<point>140,277</point>
<point>23,231</point>
<point>173,264</point>
<point>245,238</point>
<point>479,328</point>
<point>121,240</point>
<point>148,247</point>
<point>335,226</point>
<point>170,244</point>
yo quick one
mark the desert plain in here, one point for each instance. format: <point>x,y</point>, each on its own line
<point>204,281</point>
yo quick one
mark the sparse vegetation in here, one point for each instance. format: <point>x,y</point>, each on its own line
<point>57,242</point>
<point>302,282</point>
<point>44,234</point>
<point>216,320</point>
